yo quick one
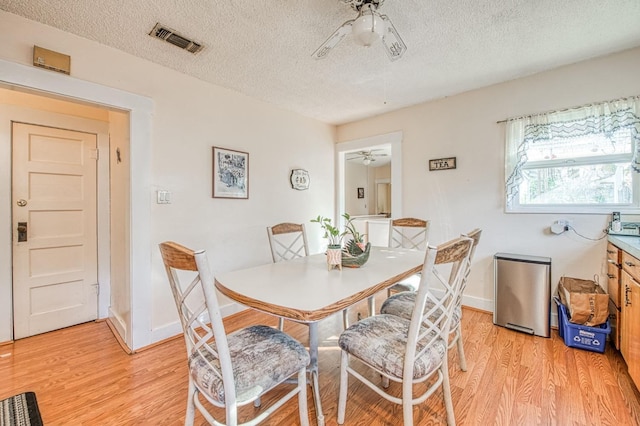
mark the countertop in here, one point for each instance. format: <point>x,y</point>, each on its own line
<point>627,243</point>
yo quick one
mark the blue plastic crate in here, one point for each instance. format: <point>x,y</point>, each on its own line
<point>581,336</point>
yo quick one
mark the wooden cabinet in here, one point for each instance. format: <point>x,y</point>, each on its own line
<point>630,310</point>
<point>613,273</point>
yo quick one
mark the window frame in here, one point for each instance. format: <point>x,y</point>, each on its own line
<point>581,208</point>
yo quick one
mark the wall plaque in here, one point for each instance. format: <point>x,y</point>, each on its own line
<point>442,163</point>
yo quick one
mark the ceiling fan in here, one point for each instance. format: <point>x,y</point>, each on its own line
<point>366,156</point>
<point>367,28</point>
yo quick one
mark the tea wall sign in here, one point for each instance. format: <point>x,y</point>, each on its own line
<point>442,163</point>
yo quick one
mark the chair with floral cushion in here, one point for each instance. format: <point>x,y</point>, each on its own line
<point>401,304</point>
<point>412,351</point>
<point>229,371</point>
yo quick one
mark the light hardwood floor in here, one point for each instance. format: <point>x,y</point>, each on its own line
<point>82,376</point>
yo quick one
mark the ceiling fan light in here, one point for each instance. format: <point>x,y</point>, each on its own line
<point>368,28</point>
<point>366,161</point>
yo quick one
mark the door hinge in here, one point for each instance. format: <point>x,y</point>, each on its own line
<point>95,154</point>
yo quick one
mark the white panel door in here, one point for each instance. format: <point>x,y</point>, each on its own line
<point>54,197</point>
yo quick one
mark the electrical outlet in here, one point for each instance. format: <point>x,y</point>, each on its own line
<point>566,223</point>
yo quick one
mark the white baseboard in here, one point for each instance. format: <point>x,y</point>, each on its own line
<point>118,324</point>
<point>175,328</point>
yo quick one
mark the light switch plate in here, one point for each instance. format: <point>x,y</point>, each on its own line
<point>163,197</point>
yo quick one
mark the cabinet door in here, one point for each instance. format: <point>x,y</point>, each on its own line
<point>633,342</point>
<point>625,312</point>
<point>613,280</point>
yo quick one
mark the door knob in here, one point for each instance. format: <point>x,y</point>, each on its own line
<point>21,203</point>
<point>22,232</point>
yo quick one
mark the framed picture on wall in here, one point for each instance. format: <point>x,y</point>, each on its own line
<point>230,173</point>
<point>360,192</point>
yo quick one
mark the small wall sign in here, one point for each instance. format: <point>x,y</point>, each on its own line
<point>442,163</point>
<point>299,179</point>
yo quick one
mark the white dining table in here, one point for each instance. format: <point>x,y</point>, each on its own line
<point>306,291</point>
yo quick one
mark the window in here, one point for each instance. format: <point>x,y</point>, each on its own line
<point>574,161</point>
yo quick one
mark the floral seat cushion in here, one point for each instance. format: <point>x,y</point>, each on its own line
<point>261,357</point>
<point>381,342</point>
<point>408,284</point>
<point>401,305</point>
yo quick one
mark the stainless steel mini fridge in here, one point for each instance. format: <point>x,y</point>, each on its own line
<point>522,286</point>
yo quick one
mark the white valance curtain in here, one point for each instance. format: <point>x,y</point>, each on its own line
<point>602,118</point>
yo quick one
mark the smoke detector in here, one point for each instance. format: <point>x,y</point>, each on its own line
<point>170,36</point>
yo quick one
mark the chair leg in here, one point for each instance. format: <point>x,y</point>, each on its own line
<point>191,407</point>
<point>345,319</point>
<point>461,356</point>
<point>344,383</point>
<point>281,324</point>
<point>385,382</point>
<point>371,301</point>
<point>302,397</point>
<point>446,390</point>
<point>407,402</point>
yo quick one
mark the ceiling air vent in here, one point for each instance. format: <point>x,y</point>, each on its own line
<point>170,36</point>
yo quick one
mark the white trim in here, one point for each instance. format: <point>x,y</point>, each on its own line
<point>140,109</point>
<point>175,328</point>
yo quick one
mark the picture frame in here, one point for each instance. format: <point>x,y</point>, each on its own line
<point>442,163</point>
<point>230,173</point>
<point>360,192</point>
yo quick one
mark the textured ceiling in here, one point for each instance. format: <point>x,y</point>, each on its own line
<point>263,48</point>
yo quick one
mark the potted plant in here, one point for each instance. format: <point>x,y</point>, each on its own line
<point>350,228</point>
<point>334,237</point>
<point>356,252</point>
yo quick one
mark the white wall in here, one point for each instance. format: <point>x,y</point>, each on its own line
<point>189,117</point>
<point>356,176</point>
<point>471,196</point>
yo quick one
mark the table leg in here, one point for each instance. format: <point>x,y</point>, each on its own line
<point>313,371</point>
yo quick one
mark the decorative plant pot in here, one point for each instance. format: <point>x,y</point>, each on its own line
<point>334,257</point>
<point>354,255</point>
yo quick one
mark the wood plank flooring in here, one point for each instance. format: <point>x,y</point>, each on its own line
<point>81,376</point>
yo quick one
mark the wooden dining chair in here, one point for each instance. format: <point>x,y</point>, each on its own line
<point>412,351</point>
<point>401,304</point>
<point>228,371</point>
<point>410,233</point>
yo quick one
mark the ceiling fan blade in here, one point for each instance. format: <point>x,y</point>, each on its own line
<point>393,44</point>
<point>333,40</point>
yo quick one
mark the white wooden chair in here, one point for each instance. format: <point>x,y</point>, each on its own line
<point>289,241</point>
<point>229,371</point>
<point>410,233</point>
<point>401,304</point>
<point>409,351</point>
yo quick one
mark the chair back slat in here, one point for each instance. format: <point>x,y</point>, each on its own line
<point>287,241</point>
<point>408,233</point>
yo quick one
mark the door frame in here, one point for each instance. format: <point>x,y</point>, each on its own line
<point>140,110</point>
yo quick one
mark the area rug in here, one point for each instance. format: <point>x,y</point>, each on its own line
<point>20,410</point>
